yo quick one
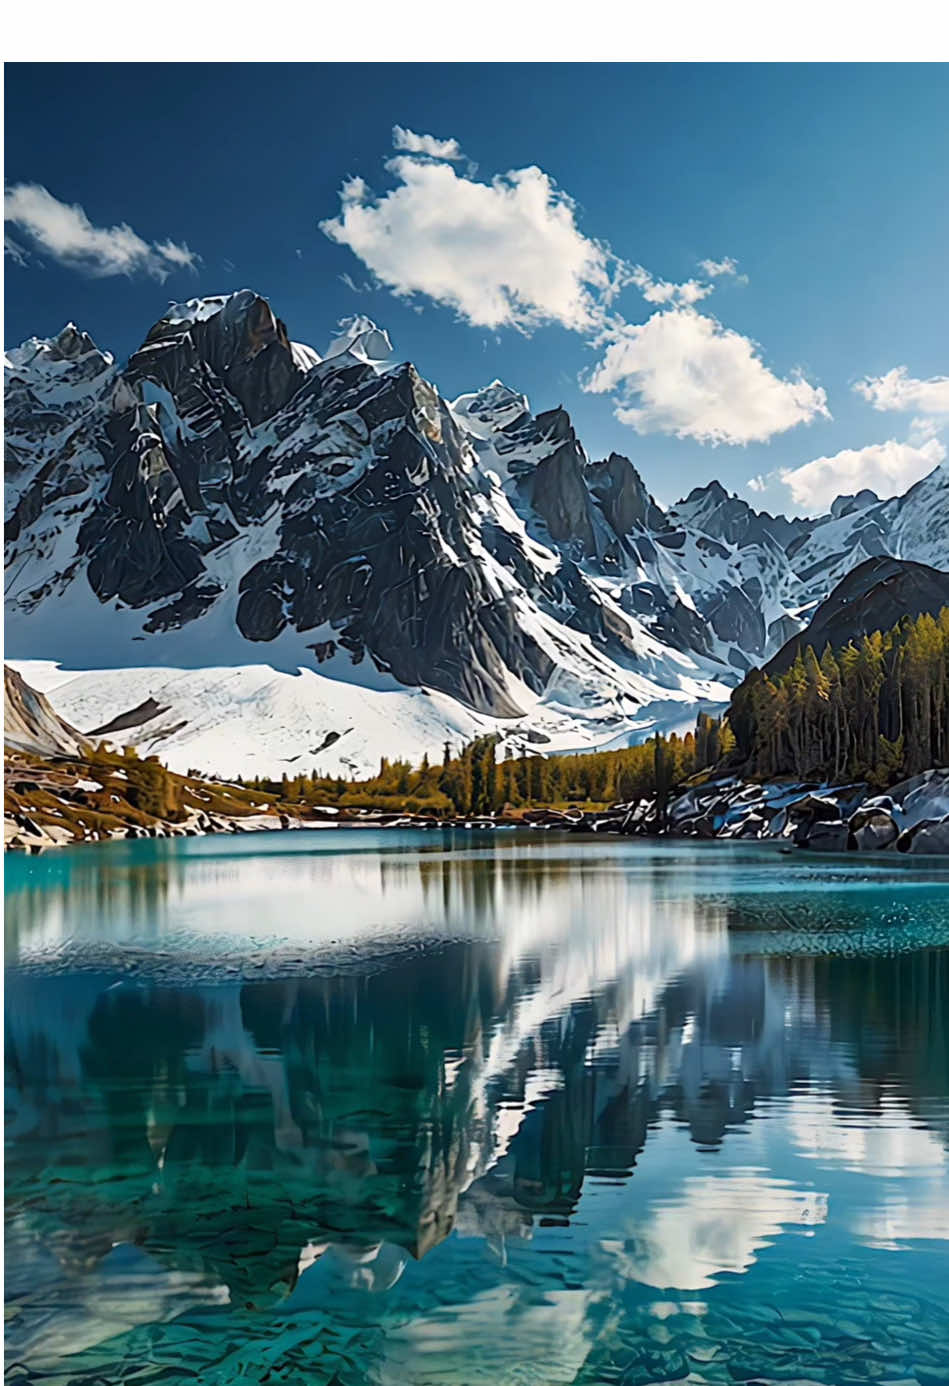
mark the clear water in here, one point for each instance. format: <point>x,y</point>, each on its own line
<point>420,1109</point>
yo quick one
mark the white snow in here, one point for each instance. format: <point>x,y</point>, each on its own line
<point>361,339</point>
<point>196,309</point>
<point>254,719</point>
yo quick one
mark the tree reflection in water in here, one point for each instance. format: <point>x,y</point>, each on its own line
<point>231,1146</point>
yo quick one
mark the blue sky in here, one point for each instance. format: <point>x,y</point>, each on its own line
<point>815,363</point>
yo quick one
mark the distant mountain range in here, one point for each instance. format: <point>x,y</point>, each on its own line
<point>230,508</point>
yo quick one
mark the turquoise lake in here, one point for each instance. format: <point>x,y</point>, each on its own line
<point>441,1109</point>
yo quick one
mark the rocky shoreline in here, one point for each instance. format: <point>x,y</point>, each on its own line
<point>23,834</point>
<point>910,817</point>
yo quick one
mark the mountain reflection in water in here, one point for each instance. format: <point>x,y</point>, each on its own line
<point>563,1102</point>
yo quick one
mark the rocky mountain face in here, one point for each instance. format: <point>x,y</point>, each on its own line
<point>873,596</point>
<point>232,497</point>
<point>31,725</point>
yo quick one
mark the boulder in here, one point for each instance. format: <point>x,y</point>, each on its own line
<point>814,808</point>
<point>824,836</point>
<point>929,836</point>
<point>755,825</point>
<point>873,829</point>
<point>924,797</point>
<point>806,813</point>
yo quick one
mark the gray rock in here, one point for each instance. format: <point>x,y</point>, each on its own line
<point>622,496</point>
<point>929,836</point>
<point>825,836</point>
<point>873,829</point>
<point>557,487</point>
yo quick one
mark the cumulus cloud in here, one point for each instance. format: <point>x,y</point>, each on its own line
<point>886,468</point>
<point>63,232</point>
<point>898,390</point>
<point>509,253</point>
<point>429,145</point>
<point>683,373</point>
<point>503,254</point>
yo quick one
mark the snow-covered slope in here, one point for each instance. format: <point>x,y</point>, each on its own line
<point>256,720</point>
<point>303,544</point>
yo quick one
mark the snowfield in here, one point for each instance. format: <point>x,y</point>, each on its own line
<point>256,720</point>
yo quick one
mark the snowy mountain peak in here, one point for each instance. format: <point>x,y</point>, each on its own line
<point>849,505</point>
<point>360,338</point>
<point>712,493</point>
<point>726,516</point>
<point>200,309</point>
<point>241,344</point>
<point>43,355</point>
<point>490,409</point>
<point>230,498</point>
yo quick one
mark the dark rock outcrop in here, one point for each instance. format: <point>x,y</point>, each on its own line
<point>873,829</point>
<point>874,596</point>
<point>622,496</point>
<point>824,836</point>
<point>929,836</point>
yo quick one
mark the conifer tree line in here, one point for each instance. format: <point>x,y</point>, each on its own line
<point>484,778</point>
<point>876,709</point>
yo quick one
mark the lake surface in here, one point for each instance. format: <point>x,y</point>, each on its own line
<point>436,1109</point>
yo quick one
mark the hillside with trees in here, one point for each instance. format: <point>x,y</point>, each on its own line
<point>875,709</point>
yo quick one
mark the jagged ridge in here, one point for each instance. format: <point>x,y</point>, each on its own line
<point>233,495</point>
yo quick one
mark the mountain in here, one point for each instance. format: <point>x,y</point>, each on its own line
<point>873,596</point>
<point>31,725</point>
<point>316,559</point>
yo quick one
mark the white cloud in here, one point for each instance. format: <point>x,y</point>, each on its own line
<point>429,145</point>
<point>16,252</point>
<point>897,389</point>
<point>687,293</point>
<point>178,256</point>
<point>504,253</point>
<point>63,232</point>
<point>683,373</point>
<point>662,291</point>
<point>726,267</point>
<point>886,468</point>
<point>715,269</point>
<point>757,483</point>
<point>508,252</point>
